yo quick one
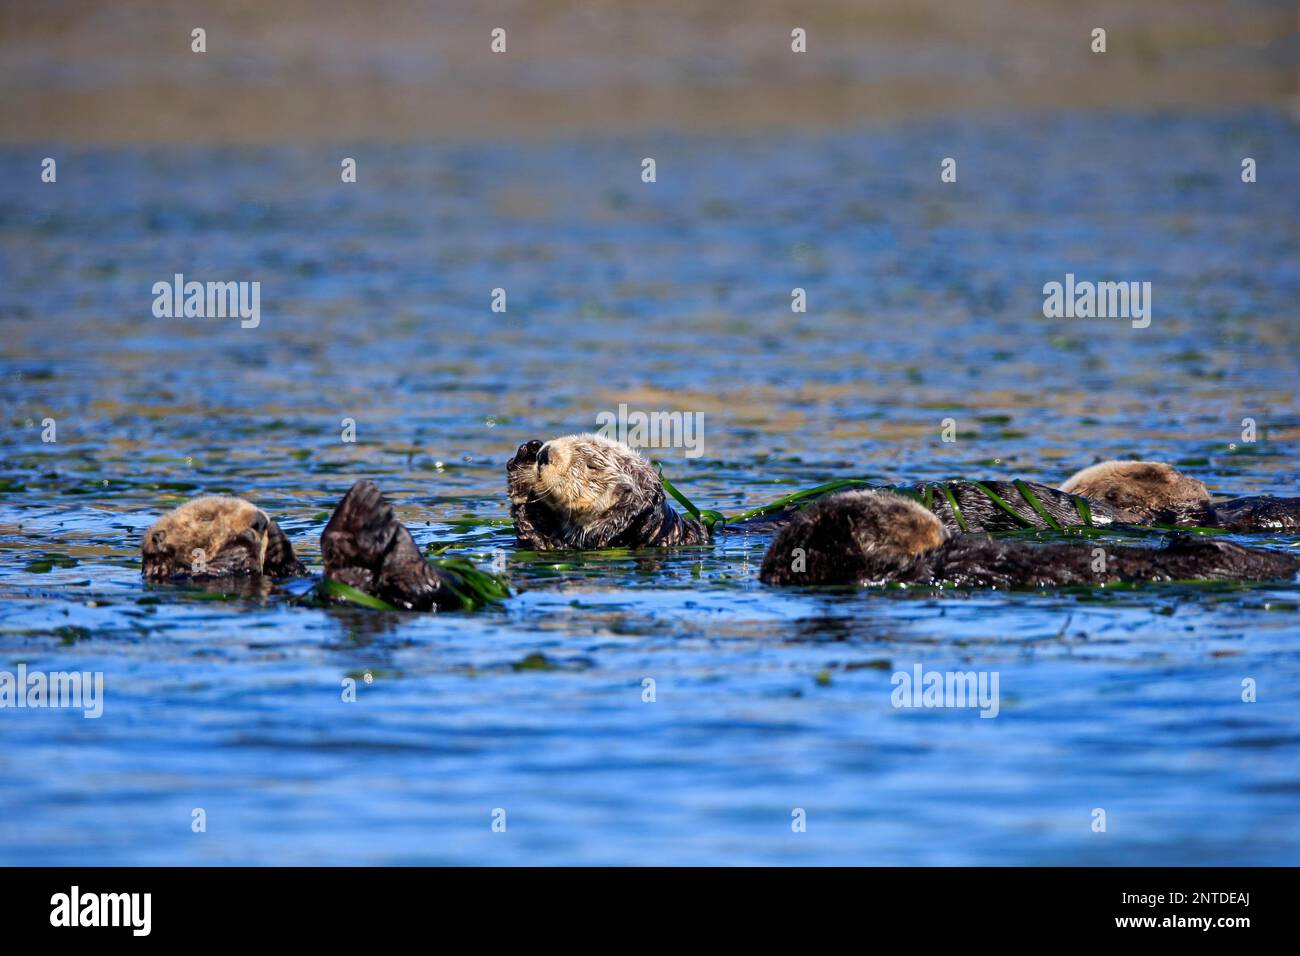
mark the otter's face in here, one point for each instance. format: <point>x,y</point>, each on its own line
<point>1144,491</point>
<point>207,536</point>
<point>579,491</point>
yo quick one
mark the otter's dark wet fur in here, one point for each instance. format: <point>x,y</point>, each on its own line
<point>871,537</point>
<point>586,492</point>
<point>1257,513</point>
<point>982,513</point>
<point>366,547</point>
<point>216,536</point>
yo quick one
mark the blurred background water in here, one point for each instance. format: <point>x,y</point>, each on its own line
<point>924,303</point>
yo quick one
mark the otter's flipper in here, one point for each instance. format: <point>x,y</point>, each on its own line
<point>365,546</point>
<point>1258,513</point>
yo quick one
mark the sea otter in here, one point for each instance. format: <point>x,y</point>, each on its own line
<point>215,537</point>
<point>1152,492</point>
<point>874,537</point>
<point>363,546</point>
<point>585,492</point>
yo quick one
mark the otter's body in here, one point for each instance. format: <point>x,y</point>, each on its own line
<point>586,492</point>
<point>870,537</point>
<point>1008,506</point>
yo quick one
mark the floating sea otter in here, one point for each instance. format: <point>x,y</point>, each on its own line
<point>1151,492</point>
<point>585,492</point>
<point>364,546</point>
<point>874,537</point>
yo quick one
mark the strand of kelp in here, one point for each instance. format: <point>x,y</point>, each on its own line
<point>714,519</point>
<point>474,587</point>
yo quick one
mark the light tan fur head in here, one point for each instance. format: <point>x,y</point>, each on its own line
<point>207,536</point>
<point>586,480</point>
<point>890,525</point>
<point>1143,491</point>
<point>852,537</point>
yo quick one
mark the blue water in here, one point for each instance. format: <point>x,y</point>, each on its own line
<point>925,303</point>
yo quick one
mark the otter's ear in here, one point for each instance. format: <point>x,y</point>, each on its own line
<point>280,559</point>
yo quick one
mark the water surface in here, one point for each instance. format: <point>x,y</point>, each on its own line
<point>924,303</point>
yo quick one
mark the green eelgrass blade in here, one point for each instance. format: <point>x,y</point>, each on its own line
<point>706,518</point>
<point>807,494</point>
<point>347,592</point>
<point>1028,494</point>
<point>475,588</point>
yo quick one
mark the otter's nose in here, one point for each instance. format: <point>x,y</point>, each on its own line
<point>544,455</point>
<point>526,453</point>
<point>258,523</point>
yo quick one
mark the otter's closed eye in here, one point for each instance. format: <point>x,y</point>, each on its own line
<point>544,455</point>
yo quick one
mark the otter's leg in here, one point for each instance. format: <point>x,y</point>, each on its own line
<point>407,580</point>
<point>365,546</point>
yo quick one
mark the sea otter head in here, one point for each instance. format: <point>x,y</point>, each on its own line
<point>580,491</point>
<point>855,537</point>
<point>215,536</point>
<point>1144,492</point>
